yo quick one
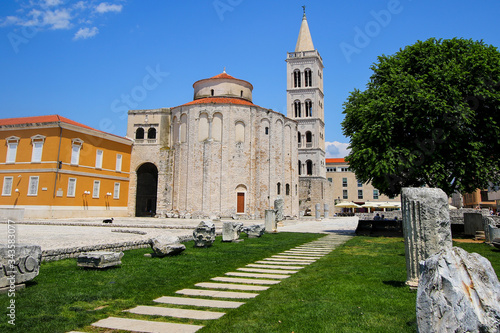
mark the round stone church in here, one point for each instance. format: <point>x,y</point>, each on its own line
<point>218,155</point>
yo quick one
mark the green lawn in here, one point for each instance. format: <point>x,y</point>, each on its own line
<point>357,288</point>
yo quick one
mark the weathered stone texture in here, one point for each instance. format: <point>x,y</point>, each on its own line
<point>314,190</point>
<point>164,245</point>
<point>99,259</point>
<point>271,224</point>
<point>26,265</point>
<point>279,204</point>
<point>231,231</point>
<point>255,230</point>
<point>426,226</point>
<point>458,292</point>
<point>473,222</point>
<point>204,234</point>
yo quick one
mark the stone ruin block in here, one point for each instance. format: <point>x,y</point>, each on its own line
<point>271,225</point>
<point>99,259</point>
<point>204,234</point>
<point>426,227</point>
<point>458,292</point>
<point>473,222</point>
<point>255,230</point>
<point>164,245</point>
<point>23,261</point>
<point>279,205</point>
<point>231,231</point>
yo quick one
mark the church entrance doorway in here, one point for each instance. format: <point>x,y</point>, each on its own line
<point>240,208</point>
<point>146,190</point>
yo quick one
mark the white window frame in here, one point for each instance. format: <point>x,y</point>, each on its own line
<point>76,147</point>
<point>116,191</point>
<point>376,194</point>
<point>99,154</point>
<point>345,194</point>
<point>69,193</point>
<point>37,142</point>
<point>34,180</point>
<point>12,143</point>
<point>119,159</point>
<point>6,191</point>
<point>95,190</point>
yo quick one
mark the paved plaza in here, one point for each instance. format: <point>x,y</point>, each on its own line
<point>70,233</point>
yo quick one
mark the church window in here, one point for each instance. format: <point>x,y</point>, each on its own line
<point>139,134</point>
<point>308,78</point>
<point>296,79</point>
<point>308,105</point>
<point>203,127</point>
<point>308,139</point>
<point>300,168</point>
<point>309,165</point>
<point>297,107</point>
<point>299,139</point>
<point>217,127</point>
<point>267,130</point>
<point>287,189</point>
<point>241,93</point>
<point>183,129</point>
<point>240,132</point>
<point>279,188</point>
<point>152,133</point>
<point>211,92</point>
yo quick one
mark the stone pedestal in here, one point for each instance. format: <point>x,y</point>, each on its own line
<point>488,223</point>
<point>99,259</point>
<point>279,205</point>
<point>473,222</point>
<point>204,234</point>
<point>493,233</point>
<point>426,227</point>
<point>27,259</point>
<point>231,231</point>
<point>271,225</point>
<point>317,211</point>
<point>326,211</point>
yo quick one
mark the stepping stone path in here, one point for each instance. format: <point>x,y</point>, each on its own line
<point>240,285</point>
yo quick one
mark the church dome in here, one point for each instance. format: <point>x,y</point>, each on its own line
<point>223,86</point>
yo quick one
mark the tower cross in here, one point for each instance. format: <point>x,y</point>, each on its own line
<point>304,8</point>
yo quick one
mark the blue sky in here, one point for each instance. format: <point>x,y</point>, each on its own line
<point>92,60</point>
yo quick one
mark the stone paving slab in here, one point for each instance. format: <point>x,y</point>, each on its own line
<point>273,266</point>
<point>275,262</point>
<point>230,286</point>
<point>291,256</point>
<point>215,293</point>
<point>256,275</point>
<point>248,281</point>
<point>269,271</point>
<point>177,313</point>
<point>304,253</point>
<point>311,249</point>
<point>292,261</point>
<point>209,303</point>
<point>136,325</point>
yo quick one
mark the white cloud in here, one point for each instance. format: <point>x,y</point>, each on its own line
<point>336,149</point>
<point>105,7</point>
<point>51,3</point>
<point>85,33</point>
<point>9,20</point>
<point>58,19</point>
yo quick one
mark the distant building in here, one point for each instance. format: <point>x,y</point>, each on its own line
<point>346,186</point>
<point>479,199</point>
<point>51,166</point>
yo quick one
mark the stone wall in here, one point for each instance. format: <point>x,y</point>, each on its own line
<point>314,190</point>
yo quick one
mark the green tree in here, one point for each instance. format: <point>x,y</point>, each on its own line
<point>429,116</point>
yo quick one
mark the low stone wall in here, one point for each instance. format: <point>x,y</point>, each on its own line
<point>105,225</point>
<point>59,254</point>
<point>387,215</point>
<point>13,214</point>
<point>457,215</point>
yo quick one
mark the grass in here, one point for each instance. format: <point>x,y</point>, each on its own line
<point>357,288</point>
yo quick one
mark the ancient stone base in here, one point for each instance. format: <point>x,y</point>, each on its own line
<point>27,258</point>
<point>99,259</point>
<point>17,287</point>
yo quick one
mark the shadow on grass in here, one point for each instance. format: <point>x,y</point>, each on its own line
<point>395,284</point>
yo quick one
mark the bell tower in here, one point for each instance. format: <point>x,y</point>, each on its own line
<point>305,103</point>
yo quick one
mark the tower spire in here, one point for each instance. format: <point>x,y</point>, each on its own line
<point>304,42</point>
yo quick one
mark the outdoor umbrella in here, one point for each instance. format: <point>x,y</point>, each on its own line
<point>347,204</point>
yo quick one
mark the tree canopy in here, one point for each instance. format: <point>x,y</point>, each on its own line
<point>430,115</point>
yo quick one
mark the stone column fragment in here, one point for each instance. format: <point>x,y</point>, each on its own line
<point>271,225</point>
<point>426,227</point>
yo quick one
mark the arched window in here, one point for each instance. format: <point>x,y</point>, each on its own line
<point>139,134</point>
<point>296,79</point>
<point>298,112</point>
<point>308,77</point>
<point>217,127</point>
<point>299,139</point>
<point>240,132</point>
<point>300,168</point>
<point>308,139</point>
<point>203,127</point>
<point>152,133</point>
<point>279,188</point>
<point>309,165</point>
<point>287,189</point>
<point>309,107</point>
<point>183,129</point>
<point>211,92</point>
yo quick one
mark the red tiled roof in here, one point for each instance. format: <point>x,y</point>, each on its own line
<point>223,76</point>
<point>220,100</point>
<point>41,120</point>
<point>335,160</point>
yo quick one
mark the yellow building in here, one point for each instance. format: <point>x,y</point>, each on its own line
<point>346,186</point>
<point>51,166</point>
<point>478,199</point>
